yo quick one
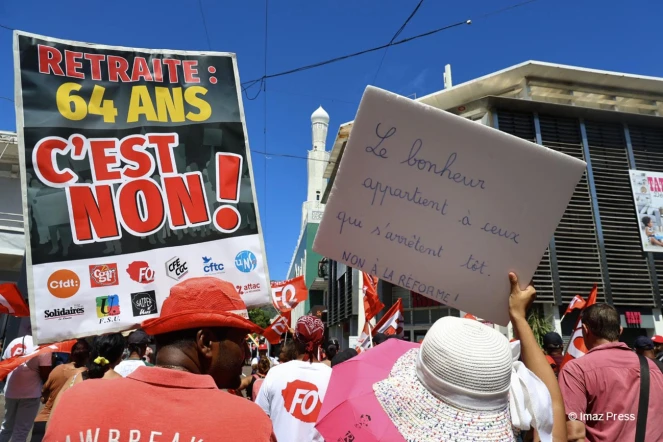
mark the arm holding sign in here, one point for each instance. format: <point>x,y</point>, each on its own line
<point>532,356</point>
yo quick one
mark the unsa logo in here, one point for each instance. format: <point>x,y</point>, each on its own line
<point>302,400</point>
<point>245,261</point>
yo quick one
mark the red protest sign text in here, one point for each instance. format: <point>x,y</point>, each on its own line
<point>142,202</point>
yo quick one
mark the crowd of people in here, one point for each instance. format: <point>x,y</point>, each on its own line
<point>465,382</point>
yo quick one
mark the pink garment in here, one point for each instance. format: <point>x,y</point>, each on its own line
<point>602,390</point>
<point>256,388</point>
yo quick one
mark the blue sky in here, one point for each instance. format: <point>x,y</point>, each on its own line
<point>610,35</point>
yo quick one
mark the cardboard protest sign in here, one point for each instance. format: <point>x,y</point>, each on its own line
<point>647,188</point>
<point>136,174</point>
<point>441,205</point>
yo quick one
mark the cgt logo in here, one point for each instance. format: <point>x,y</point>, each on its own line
<point>103,275</point>
<point>176,268</point>
<point>246,261</point>
<point>302,400</point>
<point>63,283</point>
<point>108,309</point>
<point>141,272</point>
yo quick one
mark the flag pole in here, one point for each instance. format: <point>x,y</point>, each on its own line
<point>370,333</point>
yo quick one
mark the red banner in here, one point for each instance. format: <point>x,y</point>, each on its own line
<point>12,302</point>
<point>287,294</point>
<point>274,332</point>
<point>8,365</point>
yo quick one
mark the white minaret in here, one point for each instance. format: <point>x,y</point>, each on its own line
<point>317,160</point>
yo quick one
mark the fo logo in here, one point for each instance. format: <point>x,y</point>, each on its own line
<point>302,400</point>
<point>63,283</point>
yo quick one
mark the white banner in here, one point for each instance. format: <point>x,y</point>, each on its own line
<point>647,188</point>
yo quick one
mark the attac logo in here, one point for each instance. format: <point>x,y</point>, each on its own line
<point>302,400</point>
<point>176,268</point>
<point>63,283</point>
<point>108,309</point>
<point>246,261</point>
<point>140,271</point>
<point>64,313</point>
<point>103,275</point>
<point>247,288</point>
<point>210,267</point>
<point>144,303</point>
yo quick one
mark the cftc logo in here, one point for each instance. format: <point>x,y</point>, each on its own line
<point>176,268</point>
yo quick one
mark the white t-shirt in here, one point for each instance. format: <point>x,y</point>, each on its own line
<point>126,367</point>
<point>272,361</point>
<point>25,382</point>
<point>292,395</point>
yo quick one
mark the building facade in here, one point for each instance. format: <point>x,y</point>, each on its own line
<point>304,260</point>
<point>614,122</point>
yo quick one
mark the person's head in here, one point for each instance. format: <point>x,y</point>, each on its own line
<point>646,221</point>
<point>262,350</point>
<point>644,346</point>
<point>658,343</point>
<point>461,375</point>
<point>309,334</point>
<point>202,329</point>
<point>553,343</point>
<point>106,354</point>
<point>343,356</point>
<point>331,351</point>
<point>600,325</point>
<point>137,343</point>
<point>80,353</point>
<point>288,352</point>
<point>263,365</point>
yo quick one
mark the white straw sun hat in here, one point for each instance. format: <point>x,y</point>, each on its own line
<point>456,387</point>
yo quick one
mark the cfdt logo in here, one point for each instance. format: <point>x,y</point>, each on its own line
<point>63,283</point>
<point>246,261</point>
<point>176,268</point>
<point>103,275</point>
<point>210,267</point>
<point>141,272</point>
<point>302,401</point>
<point>108,309</point>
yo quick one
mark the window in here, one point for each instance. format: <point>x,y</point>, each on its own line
<point>317,195</point>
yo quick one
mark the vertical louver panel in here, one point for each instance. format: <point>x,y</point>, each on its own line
<point>627,265</point>
<point>647,146</point>
<point>341,296</point>
<point>521,124</point>
<point>333,295</point>
<point>348,293</point>
<point>576,243</point>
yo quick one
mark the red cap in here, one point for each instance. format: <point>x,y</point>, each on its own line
<point>262,347</point>
<point>658,339</point>
<point>201,302</point>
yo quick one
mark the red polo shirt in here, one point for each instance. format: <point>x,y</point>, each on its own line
<point>156,405</point>
<point>602,389</point>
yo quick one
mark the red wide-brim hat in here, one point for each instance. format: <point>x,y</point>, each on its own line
<point>201,302</point>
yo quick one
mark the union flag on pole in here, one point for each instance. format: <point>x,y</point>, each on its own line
<point>576,303</point>
<point>390,324</point>
<point>372,303</point>
<point>287,294</point>
<point>576,347</point>
<point>12,302</point>
<point>276,329</point>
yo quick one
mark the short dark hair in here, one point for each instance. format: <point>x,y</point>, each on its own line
<point>603,321</point>
<point>343,356</point>
<point>646,220</point>
<point>80,353</point>
<point>184,338</point>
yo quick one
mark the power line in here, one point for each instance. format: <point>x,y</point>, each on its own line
<point>7,27</point>
<point>248,84</point>
<point>202,14</point>
<point>299,157</point>
<point>6,98</point>
<point>264,130</point>
<point>401,29</point>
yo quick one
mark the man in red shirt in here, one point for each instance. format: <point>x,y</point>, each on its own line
<point>200,339</point>
<point>601,389</point>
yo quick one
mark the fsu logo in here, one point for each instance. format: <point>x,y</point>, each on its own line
<point>302,400</point>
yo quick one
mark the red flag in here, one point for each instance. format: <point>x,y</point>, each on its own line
<point>8,365</point>
<point>287,294</point>
<point>12,302</point>
<point>390,324</point>
<point>276,329</point>
<point>576,347</point>
<point>372,304</point>
<point>576,303</point>
<point>470,316</point>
